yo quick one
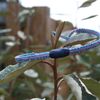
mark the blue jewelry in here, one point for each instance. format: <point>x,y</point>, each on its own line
<point>61,52</point>
<point>82,30</point>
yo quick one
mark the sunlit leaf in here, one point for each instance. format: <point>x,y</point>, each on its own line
<point>21,35</point>
<point>5,31</point>
<point>22,17</point>
<point>5,38</point>
<point>78,88</point>
<point>12,71</point>
<point>10,43</point>
<point>89,17</point>
<point>31,73</point>
<point>23,13</point>
<point>87,3</point>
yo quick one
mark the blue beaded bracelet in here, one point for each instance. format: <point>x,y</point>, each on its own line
<point>82,30</point>
<point>61,52</point>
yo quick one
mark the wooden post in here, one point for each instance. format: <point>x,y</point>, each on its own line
<point>38,26</point>
<point>12,18</point>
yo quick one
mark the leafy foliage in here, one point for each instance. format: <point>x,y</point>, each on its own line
<point>78,88</point>
<point>14,70</point>
<point>30,80</point>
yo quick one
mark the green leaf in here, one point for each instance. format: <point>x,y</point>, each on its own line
<point>84,59</point>
<point>78,42</point>
<point>87,3</point>
<point>12,71</point>
<point>95,74</point>
<point>3,92</point>
<point>5,38</point>
<point>78,88</point>
<point>89,17</point>
<point>5,30</point>
<point>23,15</point>
<point>93,85</point>
<point>31,73</point>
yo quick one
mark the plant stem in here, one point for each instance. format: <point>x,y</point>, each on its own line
<point>11,86</point>
<point>55,79</point>
<point>54,45</point>
<point>58,31</point>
